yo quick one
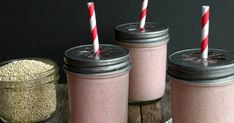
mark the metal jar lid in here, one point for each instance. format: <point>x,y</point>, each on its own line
<point>187,64</point>
<point>153,33</point>
<point>82,60</point>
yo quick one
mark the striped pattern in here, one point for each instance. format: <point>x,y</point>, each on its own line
<point>205,31</point>
<point>143,14</point>
<point>93,27</point>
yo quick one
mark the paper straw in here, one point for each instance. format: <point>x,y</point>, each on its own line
<point>93,27</point>
<point>143,14</point>
<point>205,31</point>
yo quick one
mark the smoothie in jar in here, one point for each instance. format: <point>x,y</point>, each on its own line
<point>98,85</point>
<point>202,91</point>
<point>148,53</point>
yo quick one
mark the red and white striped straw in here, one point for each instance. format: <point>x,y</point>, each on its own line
<point>93,27</point>
<point>143,14</point>
<point>205,31</point>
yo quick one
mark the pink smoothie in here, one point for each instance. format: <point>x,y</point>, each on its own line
<point>202,91</point>
<point>98,86</point>
<point>148,51</point>
<point>148,73</point>
<point>193,103</point>
<point>98,99</point>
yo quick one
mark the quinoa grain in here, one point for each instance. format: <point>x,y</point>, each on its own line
<point>28,90</point>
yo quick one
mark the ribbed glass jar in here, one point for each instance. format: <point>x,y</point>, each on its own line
<point>202,90</point>
<point>30,100</point>
<point>148,51</point>
<point>98,84</point>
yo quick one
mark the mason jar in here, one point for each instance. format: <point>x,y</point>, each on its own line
<point>24,100</point>
<point>148,51</point>
<point>98,84</point>
<point>202,90</point>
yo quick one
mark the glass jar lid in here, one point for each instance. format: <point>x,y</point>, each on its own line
<point>15,79</point>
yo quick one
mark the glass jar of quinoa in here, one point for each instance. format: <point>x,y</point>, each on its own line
<point>28,90</point>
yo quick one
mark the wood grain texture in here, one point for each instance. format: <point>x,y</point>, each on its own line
<point>134,114</point>
<point>166,103</point>
<point>157,112</point>
<point>151,113</point>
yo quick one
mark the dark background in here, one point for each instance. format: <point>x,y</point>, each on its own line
<point>46,28</point>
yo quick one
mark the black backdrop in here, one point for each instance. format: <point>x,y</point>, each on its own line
<point>46,28</point>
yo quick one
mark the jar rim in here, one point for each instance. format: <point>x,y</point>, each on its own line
<point>81,59</point>
<point>154,33</point>
<point>187,64</point>
<point>41,75</point>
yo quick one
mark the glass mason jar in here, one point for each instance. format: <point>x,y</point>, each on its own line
<point>98,85</point>
<point>202,90</point>
<point>29,100</point>
<point>148,51</point>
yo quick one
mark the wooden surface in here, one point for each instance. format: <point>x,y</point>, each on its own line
<point>157,112</point>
